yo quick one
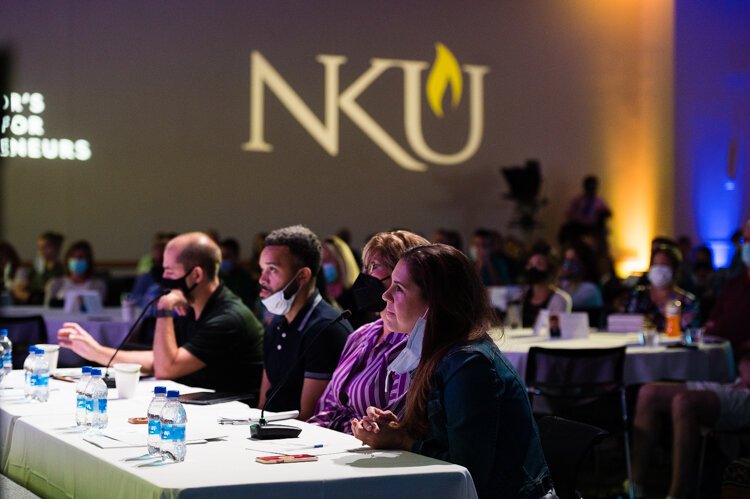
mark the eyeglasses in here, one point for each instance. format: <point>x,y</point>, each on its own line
<point>372,267</point>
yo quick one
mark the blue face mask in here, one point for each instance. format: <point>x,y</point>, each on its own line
<point>746,253</point>
<point>78,266</point>
<point>330,273</point>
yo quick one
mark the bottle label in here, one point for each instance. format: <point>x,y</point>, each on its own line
<point>80,402</point>
<point>7,359</point>
<point>102,404</point>
<point>90,405</point>
<point>39,379</point>
<point>172,432</point>
<point>154,427</point>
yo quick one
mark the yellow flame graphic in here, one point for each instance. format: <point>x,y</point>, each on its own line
<point>445,71</point>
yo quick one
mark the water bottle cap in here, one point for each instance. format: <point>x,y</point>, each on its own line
<point>32,348</point>
<point>173,394</point>
<point>86,370</point>
<point>38,350</point>
<point>3,332</point>
<point>96,372</point>
<point>160,390</point>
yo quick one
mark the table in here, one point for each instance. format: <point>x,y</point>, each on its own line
<point>47,457</point>
<point>61,403</point>
<point>710,361</point>
<point>108,327</point>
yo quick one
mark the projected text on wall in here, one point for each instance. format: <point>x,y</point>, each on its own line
<point>24,136</point>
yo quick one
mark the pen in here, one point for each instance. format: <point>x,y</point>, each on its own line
<point>316,446</point>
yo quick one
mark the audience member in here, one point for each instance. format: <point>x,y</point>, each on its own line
<point>215,342</point>
<point>346,235</point>
<point>703,280</point>
<point>236,278</point>
<point>79,275</point>
<point>730,315</point>
<point>696,404</point>
<point>302,338</point>
<point>47,266</point>
<point>578,277</point>
<point>652,299</point>
<point>542,294</point>
<point>363,376</point>
<point>466,404</point>
<point>449,237</point>
<point>9,264</point>
<point>148,285</point>
<point>587,213</point>
<point>339,271</point>
<point>486,255</point>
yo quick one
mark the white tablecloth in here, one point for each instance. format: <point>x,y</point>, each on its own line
<point>711,361</point>
<point>107,327</point>
<point>49,457</point>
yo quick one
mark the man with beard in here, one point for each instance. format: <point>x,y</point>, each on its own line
<point>302,341</point>
<point>204,335</point>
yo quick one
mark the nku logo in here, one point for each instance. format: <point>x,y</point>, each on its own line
<point>445,73</point>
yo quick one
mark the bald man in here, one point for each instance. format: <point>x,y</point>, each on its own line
<point>204,336</point>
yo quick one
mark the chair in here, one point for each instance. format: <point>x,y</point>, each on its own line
<point>585,385</point>
<point>23,332</point>
<point>565,443</point>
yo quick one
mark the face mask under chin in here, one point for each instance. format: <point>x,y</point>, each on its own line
<point>280,302</point>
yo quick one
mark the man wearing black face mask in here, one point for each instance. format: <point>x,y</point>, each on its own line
<point>214,342</point>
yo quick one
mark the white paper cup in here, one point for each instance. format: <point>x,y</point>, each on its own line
<point>126,379</point>
<point>51,352</point>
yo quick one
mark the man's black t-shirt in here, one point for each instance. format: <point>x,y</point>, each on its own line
<point>228,338</point>
<point>284,343</point>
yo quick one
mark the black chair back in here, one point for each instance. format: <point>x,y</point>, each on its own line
<point>584,385</point>
<point>23,332</point>
<point>565,444</point>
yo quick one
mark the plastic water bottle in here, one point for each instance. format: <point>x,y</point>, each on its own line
<point>173,420</point>
<point>81,397</point>
<point>40,377</point>
<point>7,351</point>
<point>2,372</point>
<point>96,401</point>
<point>28,392</point>
<point>154,420</point>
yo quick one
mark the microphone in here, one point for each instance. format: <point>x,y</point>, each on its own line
<point>264,431</point>
<point>107,377</point>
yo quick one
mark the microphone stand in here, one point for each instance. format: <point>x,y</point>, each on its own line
<point>264,431</point>
<point>107,377</point>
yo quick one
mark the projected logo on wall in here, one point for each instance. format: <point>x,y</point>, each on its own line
<point>445,74</point>
<point>23,132</point>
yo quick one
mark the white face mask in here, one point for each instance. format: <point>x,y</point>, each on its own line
<point>408,359</point>
<point>277,304</point>
<point>660,276</point>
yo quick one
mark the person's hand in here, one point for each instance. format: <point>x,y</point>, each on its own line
<point>174,300</point>
<point>381,430</point>
<point>74,337</point>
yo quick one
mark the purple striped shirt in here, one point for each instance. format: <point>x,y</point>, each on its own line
<point>362,379</point>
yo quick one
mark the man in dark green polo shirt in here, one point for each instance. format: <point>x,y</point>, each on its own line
<point>205,336</point>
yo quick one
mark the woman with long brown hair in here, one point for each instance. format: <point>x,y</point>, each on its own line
<point>465,404</point>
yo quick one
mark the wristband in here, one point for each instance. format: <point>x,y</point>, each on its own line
<point>163,312</point>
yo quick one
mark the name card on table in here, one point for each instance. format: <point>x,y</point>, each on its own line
<point>560,325</point>
<point>83,301</point>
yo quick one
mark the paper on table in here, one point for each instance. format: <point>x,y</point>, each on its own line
<point>112,439</point>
